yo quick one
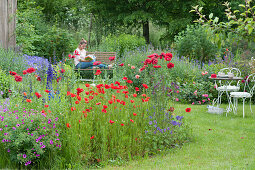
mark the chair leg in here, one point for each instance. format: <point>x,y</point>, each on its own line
<point>250,105</point>
<point>243,106</point>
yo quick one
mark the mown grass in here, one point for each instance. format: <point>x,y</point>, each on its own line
<point>218,142</point>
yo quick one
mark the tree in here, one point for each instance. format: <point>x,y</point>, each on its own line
<point>132,13</point>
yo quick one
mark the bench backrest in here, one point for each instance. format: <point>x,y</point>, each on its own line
<point>103,56</point>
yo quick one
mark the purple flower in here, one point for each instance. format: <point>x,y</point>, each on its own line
<point>31,120</point>
<point>24,156</point>
<point>18,125</point>
<point>41,143</point>
<point>51,142</point>
<point>150,122</point>
<point>43,146</point>
<point>13,128</point>
<point>174,123</point>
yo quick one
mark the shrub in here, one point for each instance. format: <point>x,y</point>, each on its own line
<point>194,43</point>
<point>29,135</point>
<point>55,42</point>
<point>122,43</point>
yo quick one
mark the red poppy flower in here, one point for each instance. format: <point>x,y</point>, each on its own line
<point>104,111</point>
<point>168,58</point>
<point>98,72</point>
<point>141,69</point>
<point>31,70</point>
<point>105,107</point>
<point>68,125</point>
<point>122,64</point>
<point>107,86</point>
<point>134,114</point>
<point>124,78</point>
<point>170,65</point>
<point>96,63</point>
<point>110,101</point>
<point>76,52</point>
<point>24,72</point>
<point>157,66</point>
<point>132,120</point>
<point>134,95</point>
<point>58,79</point>
<point>62,70</point>
<point>38,78</point>
<point>28,100</point>
<point>213,76</point>
<point>87,85</point>
<point>38,95</point>
<point>47,91</point>
<point>126,96</point>
<point>18,78</point>
<point>92,137</point>
<point>78,98</point>
<point>132,101</point>
<point>73,108</point>
<point>188,109</point>
<point>12,73</point>
<point>154,61</point>
<point>111,121</point>
<point>73,95</point>
<point>98,103</point>
<point>46,105</point>
<point>144,95</point>
<point>111,58</point>
<point>122,124</point>
<point>76,102</point>
<point>129,81</point>
<point>145,86</point>
<point>171,109</point>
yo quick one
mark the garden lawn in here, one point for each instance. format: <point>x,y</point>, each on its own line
<point>218,142</point>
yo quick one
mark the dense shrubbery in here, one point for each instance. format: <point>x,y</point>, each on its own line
<point>194,43</point>
<point>122,43</point>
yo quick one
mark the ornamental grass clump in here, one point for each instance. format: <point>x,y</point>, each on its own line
<point>28,135</point>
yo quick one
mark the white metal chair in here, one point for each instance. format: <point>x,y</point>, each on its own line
<point>229,86</point>
<point>249,89</point>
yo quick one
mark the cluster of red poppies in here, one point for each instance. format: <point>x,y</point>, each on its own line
<point>153,59</point>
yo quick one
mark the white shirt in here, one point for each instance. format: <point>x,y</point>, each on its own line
<point>82,55</point>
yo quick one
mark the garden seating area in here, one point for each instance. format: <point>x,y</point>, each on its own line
<point>154,91</point>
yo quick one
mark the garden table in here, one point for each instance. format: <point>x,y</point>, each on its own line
<point>225,84</point>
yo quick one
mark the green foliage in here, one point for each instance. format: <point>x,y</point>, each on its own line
<point>238,29</point>
<point>194,43</point>
<point>29,135</point>
<point>4,84</point>
<point>55,41</point>
<point>36,37</point>
<point>122,43</point>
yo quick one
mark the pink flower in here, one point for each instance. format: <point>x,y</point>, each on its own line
<point>137,76</point>
<point>205,95</point>
<point>199,102</point>
<point>208,99</point>
<point>177,99</point>
<point>132,67</point>
<point>203,101</point>
<point>128,65</point>
<point>195,92</point>
<point>193,103</point>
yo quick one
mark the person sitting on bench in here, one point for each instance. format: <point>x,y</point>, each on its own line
<point>80,54</point>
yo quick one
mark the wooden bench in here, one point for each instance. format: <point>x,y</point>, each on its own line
<point>100,56</point>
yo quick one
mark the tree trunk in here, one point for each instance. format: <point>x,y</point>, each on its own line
<point>146,33</point>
